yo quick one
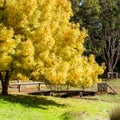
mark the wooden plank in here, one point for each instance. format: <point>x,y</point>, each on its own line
<point>79,92</point>
<point>112,89</point>
<point>19,84</point>
<point>26,83</point>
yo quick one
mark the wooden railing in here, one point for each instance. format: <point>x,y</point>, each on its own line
<point>19,84</point>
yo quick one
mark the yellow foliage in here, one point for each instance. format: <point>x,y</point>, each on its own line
<point>22,77</point>
<point>36,36</point>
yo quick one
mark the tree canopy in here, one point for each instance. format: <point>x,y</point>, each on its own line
<point>37,41</point>
<point>102,20</point>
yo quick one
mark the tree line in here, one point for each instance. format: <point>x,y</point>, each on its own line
<point>102,20</point>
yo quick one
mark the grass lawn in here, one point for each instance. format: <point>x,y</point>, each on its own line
<point>26,107</point>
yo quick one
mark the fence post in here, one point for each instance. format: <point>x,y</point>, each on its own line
<point>102,87</point>
<point>19,86</point>
<point>39,86</point>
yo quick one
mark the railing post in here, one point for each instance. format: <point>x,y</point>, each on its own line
<point>19,88</point>
<point>39,86</point>
<point>102,87</point>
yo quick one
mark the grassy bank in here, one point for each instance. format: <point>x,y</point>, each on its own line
<point>24,107</point>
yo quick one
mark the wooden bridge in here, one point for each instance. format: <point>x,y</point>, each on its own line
<point>65,93</point>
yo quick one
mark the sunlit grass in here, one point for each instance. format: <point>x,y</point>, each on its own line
<point>26,107</point>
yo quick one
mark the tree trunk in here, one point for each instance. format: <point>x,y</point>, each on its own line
<point>111,52</point>
<point>5,83</point>
<point>110,68</point>
<point>5,87</point>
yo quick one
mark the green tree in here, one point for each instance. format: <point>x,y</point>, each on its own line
<point>87,14</point>
<point>101,19</point>
<point>38,41</point>
<point>110,19</point>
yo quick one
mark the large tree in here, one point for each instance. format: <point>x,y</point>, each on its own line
<point>38,41</point>
<point>110,19</point>
<point>102,20</point>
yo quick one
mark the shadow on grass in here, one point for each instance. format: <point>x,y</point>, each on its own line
<point>73,115</point>
<point>30,101</point>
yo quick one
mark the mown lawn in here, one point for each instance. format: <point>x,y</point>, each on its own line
<point>26,107</point>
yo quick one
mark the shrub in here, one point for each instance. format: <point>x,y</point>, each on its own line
<point>115,113</point>
<point>74,115</point>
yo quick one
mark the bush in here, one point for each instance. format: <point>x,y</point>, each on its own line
<point>115,113</point>
<point>74,115</point>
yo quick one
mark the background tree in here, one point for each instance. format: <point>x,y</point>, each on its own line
<point>110,18</point>
<point>87,14</point>
<point>38,41</point>
<point>101,19</point>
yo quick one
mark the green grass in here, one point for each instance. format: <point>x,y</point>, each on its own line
<point>26,107</point>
